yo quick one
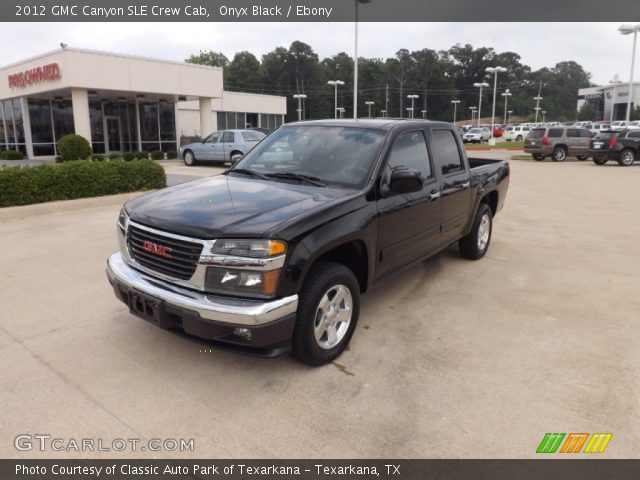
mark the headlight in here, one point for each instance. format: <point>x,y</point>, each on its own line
<point>249,248</point>
<point>251,283</point>
<point>245,267</point>
<point>123,219</point>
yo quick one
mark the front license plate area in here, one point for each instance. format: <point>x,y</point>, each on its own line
<point>145,306</point>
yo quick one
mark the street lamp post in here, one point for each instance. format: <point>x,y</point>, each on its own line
<point>480,86</point>
<point>544,115</point>
<point>495,71</point>
<point>424,113</point>
<point>473,113</point>
<point>615,82</point>
<point>409,112</point>
<point>383,113</point>
<point>341,112</point>
<point>355,62</point>
<point>412,97</point>
<point>509,118</point>
<point>335,84</point>
<point>455,108</point>
<point>626,30</point>
<point>537,109</point>
<point>369,104</point>
<point>300,96</point>
<point>506,94</point>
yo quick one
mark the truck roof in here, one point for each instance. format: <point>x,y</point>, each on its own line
<point>372,123</point>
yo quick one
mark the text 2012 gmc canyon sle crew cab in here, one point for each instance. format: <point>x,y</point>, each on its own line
<point>274,254</point>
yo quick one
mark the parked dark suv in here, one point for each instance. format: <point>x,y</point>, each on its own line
<point>558,143</point>
<point>623,147</point>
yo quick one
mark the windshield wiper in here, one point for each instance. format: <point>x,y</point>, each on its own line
<point>246,171</point>
<point>296,176</point>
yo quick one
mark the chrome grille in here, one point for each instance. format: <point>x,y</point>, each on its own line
<point>184,255</point>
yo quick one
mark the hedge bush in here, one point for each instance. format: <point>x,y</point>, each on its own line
<point>77,179</point>
<point>11,155</point>
<point>172,155</point>
<point>73,147</point>
<point>157,155</point>
<point>128,156</point>
<point>113,156</point>
<point>143,155</point>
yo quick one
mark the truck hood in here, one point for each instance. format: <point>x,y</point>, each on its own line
<point>229,206</point>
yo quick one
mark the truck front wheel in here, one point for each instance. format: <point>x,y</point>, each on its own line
<point>327,313</point>
<point>474,245</point>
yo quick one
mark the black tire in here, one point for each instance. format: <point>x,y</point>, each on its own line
<point>626,157</point>
<point>537,157</point>
<point>321,279</point>
<point>519,138</point>
<point>470,245</point>
<point>599,161</point>
<point>582,158</point>
<point>189,158</point>
<point>559,154</point>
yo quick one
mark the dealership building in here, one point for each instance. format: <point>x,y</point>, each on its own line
<point>609,99</point>
<point>120,103</point>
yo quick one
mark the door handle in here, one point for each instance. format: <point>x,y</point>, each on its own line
<point>434,195</point>
<point>466,185</point>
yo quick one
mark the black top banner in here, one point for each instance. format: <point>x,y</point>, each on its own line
<point>320,11</point>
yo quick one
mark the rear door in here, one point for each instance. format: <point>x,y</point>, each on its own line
<point>408,224</point>
<point>455,184</point>
<point>228,145</point>
<point>574,141</point>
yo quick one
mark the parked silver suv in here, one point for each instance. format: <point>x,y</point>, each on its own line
<point>558,143</point>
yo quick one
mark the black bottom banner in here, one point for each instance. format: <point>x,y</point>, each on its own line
<point>206,469</point>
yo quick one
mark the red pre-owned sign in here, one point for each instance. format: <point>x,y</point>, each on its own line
<point>35,75</point>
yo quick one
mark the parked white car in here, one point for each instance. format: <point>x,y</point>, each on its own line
<point>477,135</point>
<point>635,125</point>
<point>618,125</point>
<point>516,133</point>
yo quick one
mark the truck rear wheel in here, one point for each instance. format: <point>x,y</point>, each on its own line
<point>474,245</point>
<point>327,313</point>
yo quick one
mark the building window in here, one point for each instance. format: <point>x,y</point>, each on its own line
<point>62,117</point>
<point>13,129</point>
<point>222,121</point>
<point>3,137</point>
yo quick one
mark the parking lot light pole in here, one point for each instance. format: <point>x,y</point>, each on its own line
<point>509,118</point>
<point>424,113</point>
<point>615,82</point>
<point>537,109</point>
<point>383,113</point>
<point>544,115</point>
<point>506,94</point>
<point>455,109</point>
<point>473,113</point>
<point>341,112</point>
<point>626,30</point>
<point>495,71</point>
<point>412,97</point>
<point>335,84</point>
<point>480,86</point>
<point>355,62</point>
<point>300,96</point>
<point>369,104</point>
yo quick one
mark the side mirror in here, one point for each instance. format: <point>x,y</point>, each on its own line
<point>404,180</point>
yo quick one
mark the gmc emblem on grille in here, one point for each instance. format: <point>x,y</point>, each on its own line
<point>156,249</point>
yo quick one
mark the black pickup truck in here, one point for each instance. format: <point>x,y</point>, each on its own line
<point>273,255</point>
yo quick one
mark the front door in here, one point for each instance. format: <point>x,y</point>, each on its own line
<point>408,224</point>
<point>114,134</point>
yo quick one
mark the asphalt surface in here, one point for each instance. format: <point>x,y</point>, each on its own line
<point>452,358</point>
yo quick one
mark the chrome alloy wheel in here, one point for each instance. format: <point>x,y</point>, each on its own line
<point>188,158</point>
<point>627,157</point>
<point>484,231</point>
<point>333,317</point>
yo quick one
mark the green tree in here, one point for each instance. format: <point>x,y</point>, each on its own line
<point>587,111</point>
<point>210,58</point>
<point>243,72</point>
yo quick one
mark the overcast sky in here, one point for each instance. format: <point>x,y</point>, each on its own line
<point>598,47</point>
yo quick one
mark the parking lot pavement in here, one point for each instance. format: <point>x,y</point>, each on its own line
<point>452,358</point>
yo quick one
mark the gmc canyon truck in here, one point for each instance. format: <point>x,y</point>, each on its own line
<point>272,255</point>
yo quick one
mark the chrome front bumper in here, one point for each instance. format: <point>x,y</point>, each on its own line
<point>214,308</point>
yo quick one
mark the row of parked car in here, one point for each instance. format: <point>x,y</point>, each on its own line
<point>559,142</point>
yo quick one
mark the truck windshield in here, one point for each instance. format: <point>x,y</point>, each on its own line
<point>340,156</point>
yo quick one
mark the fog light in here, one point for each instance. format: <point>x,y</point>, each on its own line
<point>242,333</point>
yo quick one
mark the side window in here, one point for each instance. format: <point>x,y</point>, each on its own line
<point>228,137</point>
<point>635,134</point>
<point>410,151</point>
<point>555,133</point>
<point>213,138</point>
<point>585,133</point>
<point>445,151</point>
<point>573,132</point>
